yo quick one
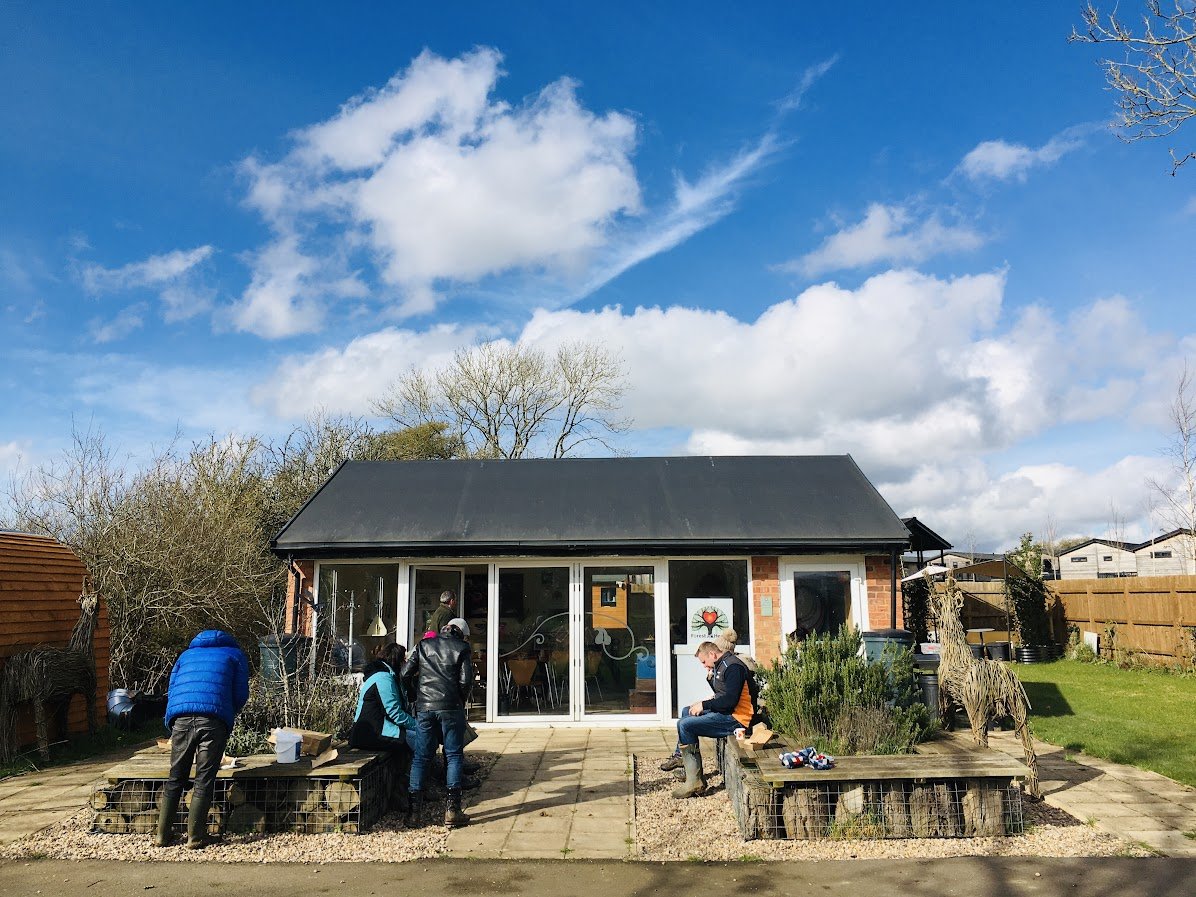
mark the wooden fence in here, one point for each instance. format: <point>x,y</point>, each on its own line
<point>1152,615</point>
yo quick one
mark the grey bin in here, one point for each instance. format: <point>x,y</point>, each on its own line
<point>280,655</point>
<point>875,641</point>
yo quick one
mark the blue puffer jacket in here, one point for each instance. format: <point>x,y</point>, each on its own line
<point>210,678</point>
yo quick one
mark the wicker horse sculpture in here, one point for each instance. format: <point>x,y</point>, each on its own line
<point>45,674</point>
<point>986,689</point>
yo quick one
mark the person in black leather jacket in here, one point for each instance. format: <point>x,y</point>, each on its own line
<point>442,669</point>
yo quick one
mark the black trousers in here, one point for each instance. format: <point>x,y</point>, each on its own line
<point>198,739</point>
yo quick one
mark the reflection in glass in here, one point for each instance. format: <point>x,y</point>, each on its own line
<point>357,614</point>
<point>822,602</point>
<point>533,640</point>
<point>619,640</point>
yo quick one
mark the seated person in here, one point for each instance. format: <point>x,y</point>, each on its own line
<point>383,721</point>
<point>733,706</point>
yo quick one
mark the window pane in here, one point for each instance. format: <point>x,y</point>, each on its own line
<point>699,579</point>
<point>822,602</point>
<point>357,614</point>
<point>619,640</point>
<point>533,640</point>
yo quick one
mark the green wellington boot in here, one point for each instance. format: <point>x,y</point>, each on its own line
<point>695,781</point>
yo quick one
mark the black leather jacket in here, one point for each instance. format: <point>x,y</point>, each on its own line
<point>441,669</point>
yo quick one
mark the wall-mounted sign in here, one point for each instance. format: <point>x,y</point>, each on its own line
<point>708,617</point>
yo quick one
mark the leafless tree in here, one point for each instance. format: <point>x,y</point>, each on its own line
<point>1050,544</point>
<point>1176,496</point>
<point>1155,79</point>
<point>504,400</point>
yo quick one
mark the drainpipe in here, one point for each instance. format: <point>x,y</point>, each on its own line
<point>893,588</point>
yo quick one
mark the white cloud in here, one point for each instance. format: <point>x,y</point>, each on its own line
<point>904,368</point>
<point>126,321</point>
<point>808,79</point>
<point>348,380</point>
<point>889,234</point>
<point>436,185</point>
<point>1003,161</point>
<point>170,274</point>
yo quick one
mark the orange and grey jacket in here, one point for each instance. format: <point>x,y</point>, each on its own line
<point>735,690</point>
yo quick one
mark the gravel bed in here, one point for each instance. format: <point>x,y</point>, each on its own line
<point>704,828</point>
<point>386,842</point>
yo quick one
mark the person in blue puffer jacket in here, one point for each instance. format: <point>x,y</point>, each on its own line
<point>208,687</point>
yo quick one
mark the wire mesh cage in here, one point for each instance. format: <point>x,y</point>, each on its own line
<point>306,805</point>
<point>881,808</point>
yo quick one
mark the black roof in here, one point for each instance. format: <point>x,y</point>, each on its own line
<point>923,538</point>
<point>684,505</point>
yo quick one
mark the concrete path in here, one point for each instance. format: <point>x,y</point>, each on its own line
<point>557,793</point>
<point>1125,801</point>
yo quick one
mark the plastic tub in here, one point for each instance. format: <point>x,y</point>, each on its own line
<point>287,745</point>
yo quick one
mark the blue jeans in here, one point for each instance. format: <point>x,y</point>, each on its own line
<point>437,727</point>
<point>709,725</point>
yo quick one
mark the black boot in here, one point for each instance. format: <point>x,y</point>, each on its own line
<point>453,817</point>
<point>197,821</point>
<point>168,808</point>
<point>415,804</point>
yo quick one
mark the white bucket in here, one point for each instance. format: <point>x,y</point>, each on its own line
<point>286,745</point>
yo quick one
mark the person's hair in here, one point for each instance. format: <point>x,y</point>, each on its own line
<point>727,639</point>
<point>447,595</point>
<point>393,655</point>
<point>708,648</point>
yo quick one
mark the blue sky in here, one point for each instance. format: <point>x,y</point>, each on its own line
<point>906,236</point>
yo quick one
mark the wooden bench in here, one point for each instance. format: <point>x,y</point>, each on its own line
<point>938,793</point>
<point>259,794</point>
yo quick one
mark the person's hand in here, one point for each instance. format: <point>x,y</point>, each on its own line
<point>695,709</point>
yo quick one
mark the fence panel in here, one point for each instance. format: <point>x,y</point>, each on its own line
<point>1153,615</point>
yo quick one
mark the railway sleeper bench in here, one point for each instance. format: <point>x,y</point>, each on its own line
<point>962,794</point>
<point>258,795</point>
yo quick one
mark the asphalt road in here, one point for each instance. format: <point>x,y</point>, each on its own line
<point>963,876</point>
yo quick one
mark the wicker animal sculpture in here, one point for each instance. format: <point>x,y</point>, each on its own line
<point>986,689</point>
<point>45,674</point>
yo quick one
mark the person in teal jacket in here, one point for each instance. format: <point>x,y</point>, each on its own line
<point>383,721</point>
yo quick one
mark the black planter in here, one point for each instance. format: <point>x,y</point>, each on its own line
<point>1030,654</point>
<point>998,650</point>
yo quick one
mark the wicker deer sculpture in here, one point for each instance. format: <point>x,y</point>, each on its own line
<point>45,674</point>
<point>986,689</point>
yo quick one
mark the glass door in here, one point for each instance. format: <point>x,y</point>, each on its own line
<point>618,641</point>
<point>533,663</point>
<point>430,582</point>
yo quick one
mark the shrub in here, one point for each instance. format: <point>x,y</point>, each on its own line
<point>325,703</point>
<point>1083,652</point>
<point>823,692</point>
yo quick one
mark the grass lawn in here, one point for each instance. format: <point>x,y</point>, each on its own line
<point>1137,717</point>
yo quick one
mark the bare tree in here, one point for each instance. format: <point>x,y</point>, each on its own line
<point>503,400</point>
<point>1177,495</point>
<point>1155,79</point>
<point>1050,544</point>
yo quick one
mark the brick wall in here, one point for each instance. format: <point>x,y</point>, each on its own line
<point>766,583</point>
<point>306,590</point>
<point>878,589</point>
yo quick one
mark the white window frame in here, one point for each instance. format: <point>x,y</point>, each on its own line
<point>853,564</point>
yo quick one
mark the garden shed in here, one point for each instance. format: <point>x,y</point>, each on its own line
<point>588,582</point>
<point>41,581</point>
